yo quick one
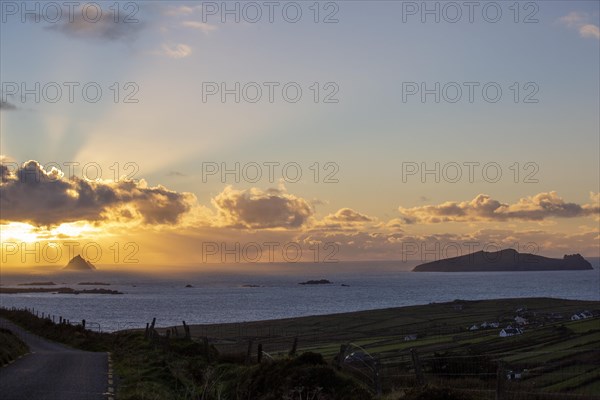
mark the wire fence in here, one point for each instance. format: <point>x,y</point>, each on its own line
<point>575,376</point>
<point>487,376</point>
<point>496,372</point>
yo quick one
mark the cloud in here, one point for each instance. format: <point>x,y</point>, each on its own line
<point>399,223</point>
<point>201,26</point>
<point>343,219</point>
<point>484,208</point>
<point>5,105</point>
<point>257,209</point>
<point>580,21</point>
<point>418,248</point>
<point>177,51</point>
<point>109,27</point>
<point>34,195</point>
<point>573,20</point>
<point>47,204</point>
<point>589,31</point>
<point>175,11</point>
<point>348,215</point>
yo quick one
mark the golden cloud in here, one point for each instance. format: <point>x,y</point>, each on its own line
<point>484,208</point>
<point>34,195</point>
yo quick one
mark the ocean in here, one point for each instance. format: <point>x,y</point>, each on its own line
<point>226,297</point>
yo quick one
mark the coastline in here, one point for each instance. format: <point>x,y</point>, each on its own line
<point>435,319</point>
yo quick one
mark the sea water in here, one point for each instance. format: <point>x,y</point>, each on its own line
<point>218,298</point>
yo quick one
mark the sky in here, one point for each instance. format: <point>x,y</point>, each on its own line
<point>144,134</point>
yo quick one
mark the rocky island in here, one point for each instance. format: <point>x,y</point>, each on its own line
<point>94,284</point>
<point>60,290</point>
<point>505,260</point>
<point>79,263</point>
<point>37,284</point>
<point>316,282</point>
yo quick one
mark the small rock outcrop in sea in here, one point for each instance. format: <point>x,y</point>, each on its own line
<point>316,282</point>
<point>94,283</point>
<point>78,263</point>
<point>188,286</point>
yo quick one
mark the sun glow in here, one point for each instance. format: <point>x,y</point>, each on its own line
<point>18,231</point>
<point>27,233</point>
<point>74,229</point>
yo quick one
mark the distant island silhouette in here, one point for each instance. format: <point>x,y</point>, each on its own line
<point>37,284</point>
<point>94,283</point>
<point>79,263</point>
<point>504,260</point>
<point>316,282</point>
<point>60,290</point>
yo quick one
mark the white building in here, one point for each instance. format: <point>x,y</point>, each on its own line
<point>509,331</point>
<point>581,315</point>
<point>520,320</point>
<point>486,325</point>
<point>512,375</point>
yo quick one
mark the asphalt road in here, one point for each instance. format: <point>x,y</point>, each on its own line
<point>53,372</point>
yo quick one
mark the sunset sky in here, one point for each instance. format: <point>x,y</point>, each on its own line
<point>160,199</point>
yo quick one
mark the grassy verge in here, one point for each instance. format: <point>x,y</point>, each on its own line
<point>179,368</point>
<point>11,347</point>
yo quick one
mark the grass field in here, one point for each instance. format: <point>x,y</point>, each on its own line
<point>555,358</point>
<point>433,322</point>
<point>556,355</point>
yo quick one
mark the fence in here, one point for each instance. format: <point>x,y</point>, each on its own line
<point>501,373</point>
<point>487,376</point>
<point>59,319</point>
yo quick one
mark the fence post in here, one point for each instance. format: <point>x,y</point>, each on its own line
<point>500,380</point>
<point>152,332</point>
<point>377,379</point>
<point>206,348</point>
<point>249,352</point>
<point>186,328</point>
<point>417,365</point>
<point>259,353</point>
<point>340,356</point>
<point>147,330</point>
<point>292,352</point>
<point>83,323</point>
